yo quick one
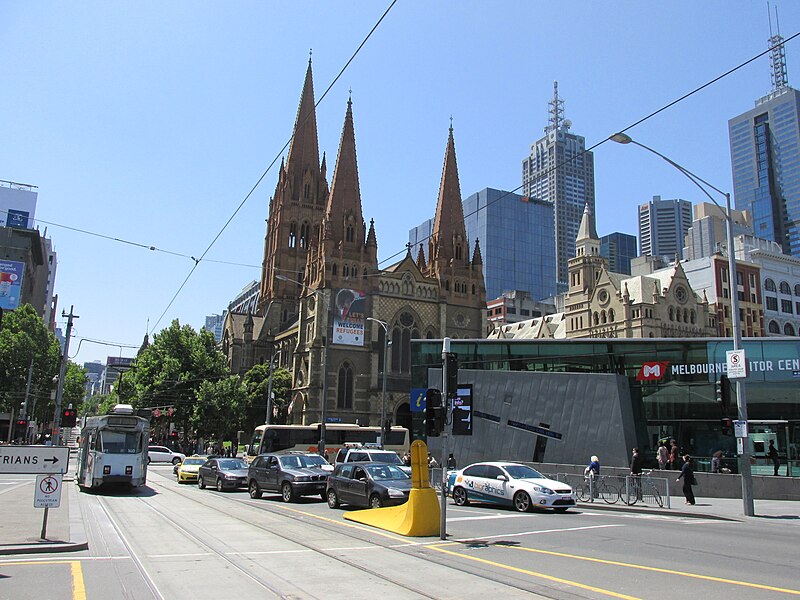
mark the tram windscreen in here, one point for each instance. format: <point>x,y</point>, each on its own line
<point>120,442</point>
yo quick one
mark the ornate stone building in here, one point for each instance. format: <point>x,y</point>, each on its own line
<point>324,302</point>
<point>603,304</point>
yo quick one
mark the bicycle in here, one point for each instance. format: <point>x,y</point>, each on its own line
<point>637,486</point>
<point>602,489</point>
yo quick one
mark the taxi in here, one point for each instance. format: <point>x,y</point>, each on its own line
<point>187,470</point>
<point>510,484</point>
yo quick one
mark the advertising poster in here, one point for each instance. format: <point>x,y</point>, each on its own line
<point>11,272</point>
<point>349,317</point>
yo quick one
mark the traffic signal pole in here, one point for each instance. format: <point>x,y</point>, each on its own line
<point>448,425</point>
<point>56,434</point>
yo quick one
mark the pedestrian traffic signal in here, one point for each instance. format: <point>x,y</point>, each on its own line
<point>69,417</point>
<point>727,426</point>
<point>387,428</point>
<point>22,426</point>
<point>723,392</point>
<point>452,373</point>
<point>434,413</point>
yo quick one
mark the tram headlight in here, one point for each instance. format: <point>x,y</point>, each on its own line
<point>129,470</point>
<point>107,470</point>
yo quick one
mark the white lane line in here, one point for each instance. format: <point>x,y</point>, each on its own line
<point>562,530</point>
<point>178,555</point>
<point>64,560</point>
<point>486,517</point>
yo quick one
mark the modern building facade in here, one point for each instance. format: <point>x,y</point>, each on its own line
<point>765,159</point>
<point>214,324</point>
<point>662,227</point>
<point>707,235</point>
<point>618,249</point>
<point>515,306</point>
<point>516,237</point>
<point>18,204</point>
<point>560,170</point>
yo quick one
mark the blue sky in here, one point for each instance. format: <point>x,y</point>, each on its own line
<point>151,121</point>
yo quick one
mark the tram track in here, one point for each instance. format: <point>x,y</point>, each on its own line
<point>303,519</point>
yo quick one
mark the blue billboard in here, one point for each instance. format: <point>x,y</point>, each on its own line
<point>11,272</point>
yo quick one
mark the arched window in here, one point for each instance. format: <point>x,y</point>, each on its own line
<point>447,285</point>
<point>292,235</point>
<point>671,314</point>
<point>346,270</point>
<point>774,327</point>
<point>788,329</point>
<point>693,317</point>
<point>305,231</point>
<point>611,315</point>
<point>797,290</point>
<point>685,315</point>
<point>344,389</point>
<point>603,316</point>
<point>769,285</point>
<point>306,190</point>
<point>596,318</point>
<point>785,289</point>
<point>473,290</point>
<point>364,273</point>
<point>349,235</point>
<point>403,331</point>
<point>458,251</point>
<point>334,269</point>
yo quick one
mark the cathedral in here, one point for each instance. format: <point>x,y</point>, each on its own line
<point>326,312</point>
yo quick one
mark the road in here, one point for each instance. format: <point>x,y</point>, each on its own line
<point>177,541</point>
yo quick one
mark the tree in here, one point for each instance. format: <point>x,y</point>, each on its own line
<point>171,370</point>
<point>25,340</point>
<point>74,386</point>
<point>256,383</point>
<point>218,413</point>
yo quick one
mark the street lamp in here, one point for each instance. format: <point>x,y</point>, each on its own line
<point>275,355</point>
<point>383,391</point>
<point>741,399</point>
<point>324,398</point>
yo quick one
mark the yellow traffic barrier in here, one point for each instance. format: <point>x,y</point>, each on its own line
<point>417,517</point>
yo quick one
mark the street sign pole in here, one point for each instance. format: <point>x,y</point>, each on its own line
<point>448,424</point>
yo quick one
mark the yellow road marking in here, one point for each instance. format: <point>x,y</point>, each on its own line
<point>78,586</point>
<point>654,570</point>
<point>535,574</point>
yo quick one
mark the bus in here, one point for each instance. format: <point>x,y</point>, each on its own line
<point>305,438</point>
<point>113,449</point>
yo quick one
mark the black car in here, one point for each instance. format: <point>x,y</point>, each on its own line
<point>368,484</point>
<point>293,475</point>
<point>223,473</point>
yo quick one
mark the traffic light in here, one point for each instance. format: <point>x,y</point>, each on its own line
<point>727,426</point>
<point>69,417</point>
<point>387,429</point>
<point>452,373</point>
<point>434,412</point>
<point>723,392</point>
<point>22,427</point>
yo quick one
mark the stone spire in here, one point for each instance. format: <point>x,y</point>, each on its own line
<point>343,210</point>
<point>421,259</point>
<point>304,149</point>
<point>477,259</point>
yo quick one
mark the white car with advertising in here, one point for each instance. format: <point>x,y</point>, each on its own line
<point>510,484</point>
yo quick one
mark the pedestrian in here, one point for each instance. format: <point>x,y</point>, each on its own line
<point>662,455</point>
<point>687,474</point>
<point>432,464</point>
<point>407,459</point>
<point>716,462</point>
<point>451,462</point>
<point>592,472</point>
<point>636,472</point>
<point>674,456</point>
<point>773,456</point>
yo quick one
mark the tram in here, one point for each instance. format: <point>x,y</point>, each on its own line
<point>113,449</point>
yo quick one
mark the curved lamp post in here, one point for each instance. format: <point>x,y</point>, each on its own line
<point>741,399</point>
<point>385,326</point>
<point>324,398</point>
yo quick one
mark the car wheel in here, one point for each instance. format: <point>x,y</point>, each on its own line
<point>255,491</point>
<point>333,499</point>
<point>375,501</point>
<point>201,483</point>
<point>220,486</point>
<point>460,496</point>
<point>287,492</point>
<point>522,501</point>
<point>176,461</point>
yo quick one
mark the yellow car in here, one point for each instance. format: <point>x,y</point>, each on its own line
<point>187,470</point>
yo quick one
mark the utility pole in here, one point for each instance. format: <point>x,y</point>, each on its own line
<point>62,375</point>
<point>448,427</point>
<point>268,416</point>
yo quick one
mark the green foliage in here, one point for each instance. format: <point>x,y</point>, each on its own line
<point>256,382</point>
<point>218,413</point>
<point>74,383</point>
<point>25,338</point>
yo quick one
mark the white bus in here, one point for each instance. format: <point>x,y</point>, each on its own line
<point>305,438</point>
<point>113,449</point>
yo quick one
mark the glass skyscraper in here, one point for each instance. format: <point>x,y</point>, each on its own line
<point>516,239</point>
<point>765,159</point>
<point>618,249</point>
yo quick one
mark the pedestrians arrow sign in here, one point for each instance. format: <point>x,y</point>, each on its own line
<point>34,459</point>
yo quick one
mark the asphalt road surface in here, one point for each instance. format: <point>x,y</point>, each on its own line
<point>177,541</point>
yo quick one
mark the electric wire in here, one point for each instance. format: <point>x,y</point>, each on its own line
<point>269,167</point>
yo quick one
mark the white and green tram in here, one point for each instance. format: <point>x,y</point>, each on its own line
<point>113,449</point>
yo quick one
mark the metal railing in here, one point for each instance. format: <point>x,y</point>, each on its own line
<point>627,489</point>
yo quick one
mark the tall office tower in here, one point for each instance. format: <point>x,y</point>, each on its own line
<point>662,227</point>
<point>707,235</point>
<point>516,239</point>
<point>618,249</point>
<point>765,158</point>
<point>559,170</point>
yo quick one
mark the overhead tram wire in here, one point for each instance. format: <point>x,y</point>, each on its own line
<point>631,126</point>
<point>269,167</point>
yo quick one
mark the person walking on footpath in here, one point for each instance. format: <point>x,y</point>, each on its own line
<point>593,473</point>
<point>636,471</point>
<point>687,474</point>
<point>451,462</point>
<point>716,462</point>
<point>773,456</point>
<point>674,456</point>
<point>662,455</point>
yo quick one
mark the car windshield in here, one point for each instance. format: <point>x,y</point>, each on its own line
<point>522,472</point>
<point>232,464</point>
<point>387,473</point>
<point>387,457</point>
<point>302,462</point>
<point>194,461</point>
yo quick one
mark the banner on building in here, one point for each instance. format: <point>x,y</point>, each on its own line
<point>11,272</point>
<point>349,317</point>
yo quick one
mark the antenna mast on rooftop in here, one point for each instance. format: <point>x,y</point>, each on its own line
<point>555,110</point>
<point>780,77</point>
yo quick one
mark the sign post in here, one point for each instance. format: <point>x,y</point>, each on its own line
<point>737,365</point>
